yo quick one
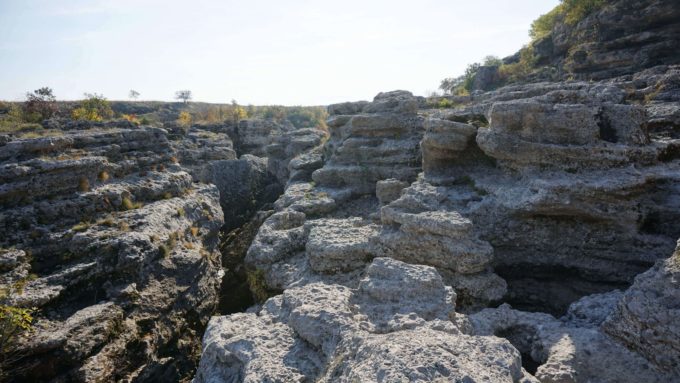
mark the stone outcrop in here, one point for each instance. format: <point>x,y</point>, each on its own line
<point>371,142</point>
<point>252,136</point>
<point>418,228</point>
<point>644,319</point>
<point>565,184</point>
<point>115,248</point>
<point>295,154</point>
<point>563,351</point>
<point>521,235</point>
<point>552,201</point>
<point>199,147</point>
<point>331,333</point>
<point>620,38</point>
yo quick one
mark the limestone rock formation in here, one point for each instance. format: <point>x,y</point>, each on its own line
<point>115,247</point>
<point>644,319</point>
<point>200,146</point>
<point>621,38</point>
<point>552,200</point>
<point>371,142</point>
<point>521,235</point>
<point>331,333</point>
<point>563,351</point>
<point>418,228</point>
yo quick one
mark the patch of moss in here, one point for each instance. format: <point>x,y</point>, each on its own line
<point>258,286</point>
<point>79,227</point>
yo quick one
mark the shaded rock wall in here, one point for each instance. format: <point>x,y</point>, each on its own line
<point>115,247</point>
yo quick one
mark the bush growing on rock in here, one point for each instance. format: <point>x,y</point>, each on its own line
<point>184,119</point>
<point>258,286</point>
<point>127,204</point>
<point>463,85</point>
<point>95,107</point>
<point>571,11</point>
<point>132,118</point>
<point>13,322</point>
<point>517,71</point>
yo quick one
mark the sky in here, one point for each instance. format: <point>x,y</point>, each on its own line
<point>292,52</point>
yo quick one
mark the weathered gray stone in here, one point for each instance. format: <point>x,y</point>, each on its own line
<point>335,245</point>
<point>389,190</point>
<point>645,318</point>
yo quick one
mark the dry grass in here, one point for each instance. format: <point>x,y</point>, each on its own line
<point>84,184</point>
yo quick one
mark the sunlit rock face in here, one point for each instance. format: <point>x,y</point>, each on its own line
<point>553,202</point>
<point>371,142</point>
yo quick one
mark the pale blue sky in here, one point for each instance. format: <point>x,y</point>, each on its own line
<point>292,52</point>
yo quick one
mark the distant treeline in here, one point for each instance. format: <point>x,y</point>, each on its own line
<point>42,104</point>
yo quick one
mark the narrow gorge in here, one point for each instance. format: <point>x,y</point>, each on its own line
<point>526,232</point>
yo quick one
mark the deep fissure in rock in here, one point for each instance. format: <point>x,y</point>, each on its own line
<point>235,291</point>
<point>522,338</point>
<point>550,288</point>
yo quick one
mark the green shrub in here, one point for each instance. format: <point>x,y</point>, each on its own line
<point>572,11</point>
<point>164,250</point>
<point>520,70</point>
<point>95,107</point>
<point>82,226</point>
<point>544,24</point>
<point>492,61</point>
<point>126,204</point>
<point>444,103</point>
<point>13,322</point>
<point>184,119</point>
<point>577,10</point>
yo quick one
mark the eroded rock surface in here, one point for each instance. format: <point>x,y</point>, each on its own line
<point>551,197</point>
<point>115,249</point>
<point>331,333</point>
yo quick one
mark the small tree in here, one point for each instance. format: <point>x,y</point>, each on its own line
<point>133,94</point>
<point>184,95</point>
<point>40,105</point>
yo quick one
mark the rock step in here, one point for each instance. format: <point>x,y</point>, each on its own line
<point>31,223</point>
<point>361,178</point>
<point>36,179</point>
<point>382,125</point>
<point>369,152</point>
<point>107,141</point>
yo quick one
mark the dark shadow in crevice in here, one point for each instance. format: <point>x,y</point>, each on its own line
<point>522,338</point>
<point>550,288</point>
